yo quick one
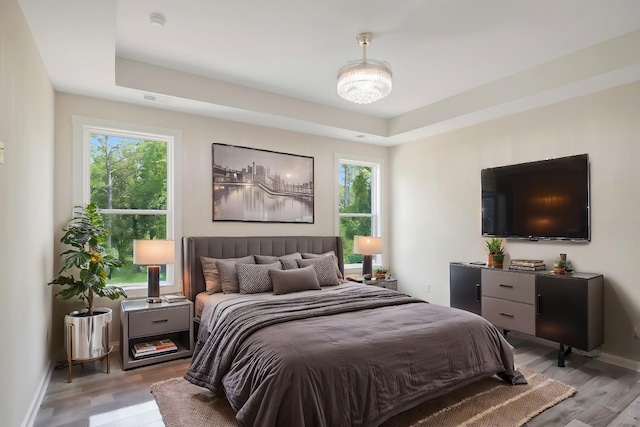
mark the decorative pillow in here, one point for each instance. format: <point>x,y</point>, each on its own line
<point>210,271</point>
<point>289,264</point>
<point>254,278</point>
<point>325,269</point>
<point>331,254</point>
<point>268,259</point>
<point>300,279</point>
<point>228,275</point>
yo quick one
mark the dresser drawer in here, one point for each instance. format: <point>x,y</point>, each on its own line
<point>158,321</point>
<point>508,285</point>
<point>510,315</point>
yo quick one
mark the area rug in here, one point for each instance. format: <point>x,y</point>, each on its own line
<point>486,403</point>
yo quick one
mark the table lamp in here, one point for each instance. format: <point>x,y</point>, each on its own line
<point>367,246</point>
<point>153,253</point>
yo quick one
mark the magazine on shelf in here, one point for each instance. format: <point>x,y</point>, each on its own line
<point>153,353</point>
<point>154,347</point>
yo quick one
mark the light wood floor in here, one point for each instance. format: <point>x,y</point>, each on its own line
<point>607,395</point>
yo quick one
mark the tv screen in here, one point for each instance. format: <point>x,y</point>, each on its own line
<point>543,200</point>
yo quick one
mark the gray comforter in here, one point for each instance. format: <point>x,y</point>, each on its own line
<point>352,356</point>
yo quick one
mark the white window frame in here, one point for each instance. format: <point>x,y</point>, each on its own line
<point>83,127</point>
<point>376,166</point>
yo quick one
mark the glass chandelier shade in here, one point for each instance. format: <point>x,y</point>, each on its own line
<point>365,81</point>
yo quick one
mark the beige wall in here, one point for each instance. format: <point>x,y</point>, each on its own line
<point>26,217</point>
<point>438,220</point>
<point>198,135</point>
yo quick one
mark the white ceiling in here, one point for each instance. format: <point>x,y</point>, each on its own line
<point>274,63</point>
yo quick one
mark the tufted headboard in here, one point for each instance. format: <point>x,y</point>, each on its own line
<point>233,247</point>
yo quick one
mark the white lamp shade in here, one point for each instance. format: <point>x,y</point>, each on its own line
<point>367,245</point>
<point>153,252</point>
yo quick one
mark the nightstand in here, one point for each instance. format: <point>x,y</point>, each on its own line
<point>141,321</point>
<point>384,283</point>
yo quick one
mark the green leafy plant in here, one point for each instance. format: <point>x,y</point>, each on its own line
<point>561,264</point>
<point>86,234</point>
<point>381,270</point>
<point>494,246</point>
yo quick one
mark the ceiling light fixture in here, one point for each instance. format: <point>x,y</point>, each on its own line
<point>366,81</point>
<point>157,20</point>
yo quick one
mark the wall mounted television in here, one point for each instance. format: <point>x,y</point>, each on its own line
<point>541,200</point>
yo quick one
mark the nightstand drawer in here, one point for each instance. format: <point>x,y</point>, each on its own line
<point>508,285</point>
<point>510,315</point>
<point>159,321</point>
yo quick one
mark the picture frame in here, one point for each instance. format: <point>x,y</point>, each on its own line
<point>257,185</point>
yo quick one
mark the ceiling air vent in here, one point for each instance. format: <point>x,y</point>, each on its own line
<point>157,98</point>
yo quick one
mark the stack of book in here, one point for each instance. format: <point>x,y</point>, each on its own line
<point>527,264</point>
<point>173,298</point>
<point>153,348</point>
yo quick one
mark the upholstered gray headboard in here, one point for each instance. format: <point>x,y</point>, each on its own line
<point>233,247</point>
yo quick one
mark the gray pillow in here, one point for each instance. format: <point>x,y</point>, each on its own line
<point>331,254</point>
<point>269,259</point>
<point>211,274</point>
<point>325,269</point>
<point>300,279</point>
<point>254,278</point>
<point>228,275</point>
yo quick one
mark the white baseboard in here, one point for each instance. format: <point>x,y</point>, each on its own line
<point>605,357</point>
<point>620,361</point>
<point>32,413</point>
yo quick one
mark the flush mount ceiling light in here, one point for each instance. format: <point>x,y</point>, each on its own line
<point>157,20</point>
<point>366,81</point>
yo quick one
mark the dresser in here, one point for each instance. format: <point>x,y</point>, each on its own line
<point>567,309</point>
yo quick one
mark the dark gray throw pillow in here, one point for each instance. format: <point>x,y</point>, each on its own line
<point>228,273</point>
<point>325,269</point>
<point>300,279</point>
<point>331,254</point>
<point>270,259</point>
<point>288,261</point>
<point>212,275</point>
<point>254,278</point>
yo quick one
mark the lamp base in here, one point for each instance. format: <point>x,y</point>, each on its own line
<point>153,284</point>
<point>366,267</point>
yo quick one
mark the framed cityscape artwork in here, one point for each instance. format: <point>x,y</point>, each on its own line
<point>256,185</point>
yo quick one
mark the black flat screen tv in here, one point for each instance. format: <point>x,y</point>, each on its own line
<point>542,200</point>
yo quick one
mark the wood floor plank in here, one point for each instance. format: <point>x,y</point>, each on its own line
<point>607,395</point>
<point>629,417</point>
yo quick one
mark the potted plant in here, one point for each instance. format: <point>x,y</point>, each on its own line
<point>496,252</point>
<point>87,330</point>
<point>560,266</point>
<point>380,273</point>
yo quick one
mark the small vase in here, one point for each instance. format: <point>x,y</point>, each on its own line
<point>498,261</point>
<point>558,270</point>
<point>490,261</point>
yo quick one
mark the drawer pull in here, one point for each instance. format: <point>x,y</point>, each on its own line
<point>539,304</point>
<point>478,291</point>
<point>506,286</point>
<point>160,321</point>
<point>510,316</point>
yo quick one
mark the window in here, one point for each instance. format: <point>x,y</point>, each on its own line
<point>128,172</point>
<point>358,210</point>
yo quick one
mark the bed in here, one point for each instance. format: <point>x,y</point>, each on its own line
<point>338,355</point>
